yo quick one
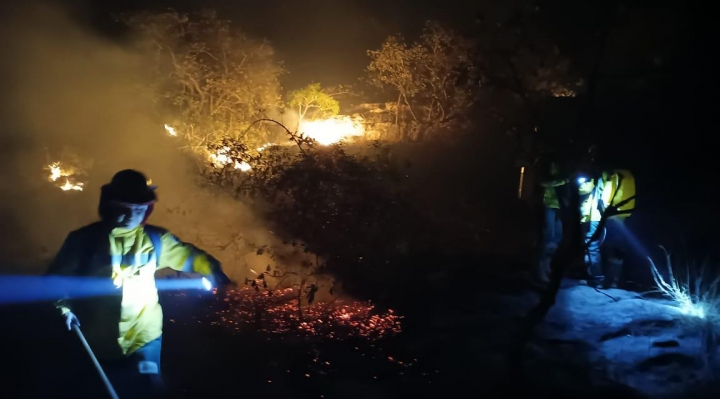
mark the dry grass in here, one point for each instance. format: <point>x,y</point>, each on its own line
<point>695,294</point>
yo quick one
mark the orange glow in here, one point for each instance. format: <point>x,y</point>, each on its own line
<point>332,130</point>
<point>277,313</point>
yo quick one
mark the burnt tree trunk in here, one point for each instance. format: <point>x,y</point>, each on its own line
<point>571,248</point>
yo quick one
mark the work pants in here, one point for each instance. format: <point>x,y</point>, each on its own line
<point>593,259</point>
<point>138,375</point>
<point>550,239</point>
<point>614,250</point>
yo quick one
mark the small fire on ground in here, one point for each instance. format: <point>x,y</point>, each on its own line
<point>63,177</point>
<point>220,158</point>
<point>170,130</point>
<point>324,131</point>
<point>277,313</point>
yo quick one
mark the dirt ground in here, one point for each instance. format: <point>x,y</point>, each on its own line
<point>455,342</point>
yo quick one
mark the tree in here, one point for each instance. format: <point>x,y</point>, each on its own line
<point>348,209</point>
<point>312,98</point>
<point>207,75</point>
<point>525,77</point>
<point>434,79</point>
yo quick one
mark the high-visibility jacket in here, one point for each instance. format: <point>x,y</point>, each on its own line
<point>590,191</point>
<point>616,188</point>
<point>118,325</point>
<point>550,198</point>
<point>619,191</point>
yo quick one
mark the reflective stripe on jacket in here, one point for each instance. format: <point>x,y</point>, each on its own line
<point>590,193</point>
<point>619,191</point>
<point>119,325</point>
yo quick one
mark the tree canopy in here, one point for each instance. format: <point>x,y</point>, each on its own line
<point>433,78</point>
<point>208,75</point>
<point>316,101</point>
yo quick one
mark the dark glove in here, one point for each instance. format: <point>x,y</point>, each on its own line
<point>601,206</point>
<point>218,278</point>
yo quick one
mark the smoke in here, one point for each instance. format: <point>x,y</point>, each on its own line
<point>68,90</point>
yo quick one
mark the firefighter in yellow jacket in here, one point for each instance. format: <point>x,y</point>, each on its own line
<point>125,330</point>
<point>590,190</point>
<point>609,196</point>
<point>616,205</point>
<point>551,225</point>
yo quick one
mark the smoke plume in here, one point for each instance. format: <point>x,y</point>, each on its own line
<point>68,91</point>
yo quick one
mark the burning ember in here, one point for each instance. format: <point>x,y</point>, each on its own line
<point>277,313</point>
<point>220,159</point>
<point>563,92</point>
<point>332,130</point>
<point>63,177</point>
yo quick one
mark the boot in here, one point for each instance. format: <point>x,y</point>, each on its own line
<point>614,266</point>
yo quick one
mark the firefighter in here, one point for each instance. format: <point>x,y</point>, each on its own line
<point>590,190</point>
<point>123,252</point>
<point>551,234</point>
<point>616,205</point>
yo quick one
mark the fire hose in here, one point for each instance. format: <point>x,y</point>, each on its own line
<point>98,367</point>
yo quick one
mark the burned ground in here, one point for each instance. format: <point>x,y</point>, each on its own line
<point>455,341</point>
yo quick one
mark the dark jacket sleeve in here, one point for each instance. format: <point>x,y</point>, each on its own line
<point>67,260</point>
<point>66,263</point>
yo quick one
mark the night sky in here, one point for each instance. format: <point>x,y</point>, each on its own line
<point>319,40</point>
<point>649,52</point>
<point>326,40</point>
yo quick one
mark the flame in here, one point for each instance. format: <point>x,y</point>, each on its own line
<point>332,130</point>
<point>62,177</point>
<point>71,186</point>
<point>324,131</point>
<point>171,130</point>
<point>55,171</point>
<point>264,146</point>
<point>220,159</point>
